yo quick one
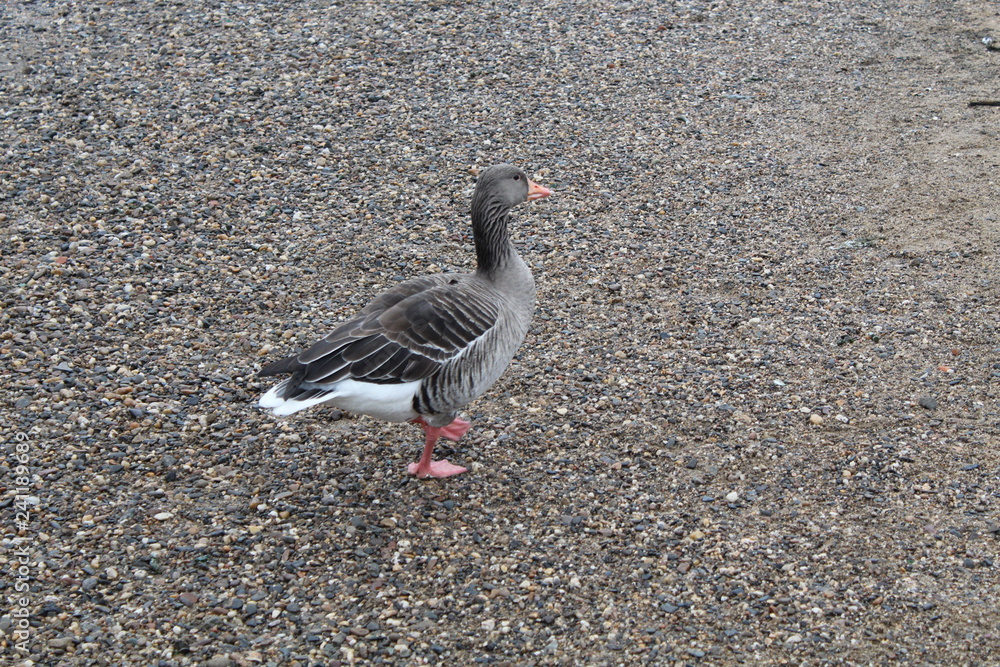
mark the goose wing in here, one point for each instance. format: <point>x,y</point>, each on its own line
<point>405,334</point>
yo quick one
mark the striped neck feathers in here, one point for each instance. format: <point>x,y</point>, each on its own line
<point>490,233</point>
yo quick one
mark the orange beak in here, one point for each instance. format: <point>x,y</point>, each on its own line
<point>536,191</point>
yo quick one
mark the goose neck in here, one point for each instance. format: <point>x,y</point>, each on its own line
<point>490,233</point>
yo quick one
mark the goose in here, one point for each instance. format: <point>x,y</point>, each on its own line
<point>427,347</point>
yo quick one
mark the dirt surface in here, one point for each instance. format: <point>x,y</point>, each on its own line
<point>755,420</point>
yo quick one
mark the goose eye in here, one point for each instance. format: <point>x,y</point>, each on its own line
<point>517,177</point>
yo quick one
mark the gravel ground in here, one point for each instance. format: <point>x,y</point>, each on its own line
<point>756,418</point>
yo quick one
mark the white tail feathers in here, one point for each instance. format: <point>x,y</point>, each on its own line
<point>273,401</point>
<point>389,402</point>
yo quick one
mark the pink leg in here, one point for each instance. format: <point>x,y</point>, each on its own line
<point>453,431</point>
<point>428,468</point>
<point>456,429</point>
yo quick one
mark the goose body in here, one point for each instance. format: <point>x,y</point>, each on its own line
<point>424,349</point>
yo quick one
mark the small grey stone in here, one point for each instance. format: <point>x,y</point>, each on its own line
<point>928,403</point>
